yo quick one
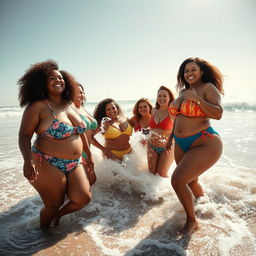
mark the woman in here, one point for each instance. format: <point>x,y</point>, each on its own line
<point>52,164</point>
<point>161,124</point>
<point>91,124</point>
<point>197,145</point>
<point>141,115</point>
<point>115,128</point>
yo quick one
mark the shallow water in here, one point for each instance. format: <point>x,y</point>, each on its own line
<point>134,212</point>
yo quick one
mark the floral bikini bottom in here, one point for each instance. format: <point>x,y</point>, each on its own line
<point>65,165</point>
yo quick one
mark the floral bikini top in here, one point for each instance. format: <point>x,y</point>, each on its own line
<point>188,108</point>
<point>59,130</point>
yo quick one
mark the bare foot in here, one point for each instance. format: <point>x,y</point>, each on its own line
<point>188,228</point>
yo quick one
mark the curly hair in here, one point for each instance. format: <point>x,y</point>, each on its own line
<point>210,74</point>
<point>33,84</point>
<point>136,107</point>
<point>100,109</point>
<point>171,96</point>
<point>70,85</point>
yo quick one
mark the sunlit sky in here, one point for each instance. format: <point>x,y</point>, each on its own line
<point>126,49</point>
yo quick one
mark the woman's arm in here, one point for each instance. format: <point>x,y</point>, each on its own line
<point>86,148</point>
<point>30,120</point>
<point>210,103</point>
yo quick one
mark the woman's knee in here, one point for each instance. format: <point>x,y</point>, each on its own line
<point>176,181</point>
<point>83,199</point>
<point>53,206</point>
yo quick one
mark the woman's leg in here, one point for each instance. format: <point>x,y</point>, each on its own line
<point>51,185</point>
<point>78,192</point>
<point>192,164</point>
<point>166,158</point>
<point>194,185</point>
<point>152,156</point>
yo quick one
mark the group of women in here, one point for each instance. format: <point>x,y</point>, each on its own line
<point>59,164</point>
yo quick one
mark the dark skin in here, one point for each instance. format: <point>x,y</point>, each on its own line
<point>49,181</point>
<point>203,153</point>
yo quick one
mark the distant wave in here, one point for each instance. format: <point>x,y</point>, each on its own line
<point>12,111</point>
<point>242,106</point>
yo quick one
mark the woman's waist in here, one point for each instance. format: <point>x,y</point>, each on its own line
<point>188,130</point>
<point>62,149</point>
<point>118,146</point>
<point>159,132</point>
<point>159,140</point>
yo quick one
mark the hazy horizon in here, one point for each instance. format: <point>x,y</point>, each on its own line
<point>127,49</point>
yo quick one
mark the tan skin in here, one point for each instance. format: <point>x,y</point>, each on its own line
<point>203,153</point>
<point>79,98</point>
<point>160,162</point>
<point>144,111</point>
<point>120,143</point>
<point>50,182</point>
<point>143,121</point>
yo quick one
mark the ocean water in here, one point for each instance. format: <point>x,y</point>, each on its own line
<point>132,211</point>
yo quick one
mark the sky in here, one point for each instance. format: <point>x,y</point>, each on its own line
<point>127,49</point>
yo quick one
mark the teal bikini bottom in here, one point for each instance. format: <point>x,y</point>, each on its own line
<point>157,149</point>
<point>186,142</point>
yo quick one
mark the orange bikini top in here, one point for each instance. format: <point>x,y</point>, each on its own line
<point>188,108</point>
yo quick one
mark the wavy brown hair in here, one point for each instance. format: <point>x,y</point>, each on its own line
<point>136,107</point>
<point>33,84</point>
<point>211,74</point>
<point>169,93</point>
<point>100,109</point>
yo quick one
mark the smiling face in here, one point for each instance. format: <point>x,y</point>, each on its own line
<point>55,82</point>
<point>163,98</point>
<point>111,110</point>
<point>144,108</point>
<point>192,73</point>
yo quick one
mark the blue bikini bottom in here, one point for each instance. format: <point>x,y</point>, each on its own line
<point>186,142</point>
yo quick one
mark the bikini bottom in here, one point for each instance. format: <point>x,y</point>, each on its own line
<point>65,165</point>
<point>157,149</point>
<point>120,154</point>
<point>186,142</point>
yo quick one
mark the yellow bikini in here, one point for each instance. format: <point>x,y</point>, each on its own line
<point>112,133</point>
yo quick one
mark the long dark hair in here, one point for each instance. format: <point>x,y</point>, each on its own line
<point>100,109</point>
<point>210,74</point>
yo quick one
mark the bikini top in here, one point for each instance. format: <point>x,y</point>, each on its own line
<point>188,108</point>
<point>90,124</point>
<point>113,132</point>
<point>165,124</point>
<point>59,130</point>
<point>137,127</point>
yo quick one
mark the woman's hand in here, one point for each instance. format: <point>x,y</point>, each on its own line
<point>89,164</point>
<point>29,170</point>
<point>107,152</point>
<point>169,144</point>
<point>191,95</point>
